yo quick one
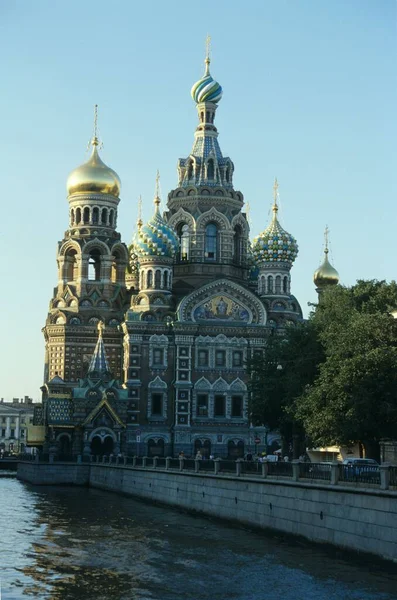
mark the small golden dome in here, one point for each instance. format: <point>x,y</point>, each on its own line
<point>94,176</point>
<point>326,274</point>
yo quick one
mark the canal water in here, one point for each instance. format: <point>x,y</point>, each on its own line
<point>65,543</point>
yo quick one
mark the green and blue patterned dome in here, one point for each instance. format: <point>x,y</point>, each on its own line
<point>206,89</point>
<point>275,244</point>
<point>156,238</point>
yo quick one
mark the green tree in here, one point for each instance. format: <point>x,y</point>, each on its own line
<point>354,397</point>
<point>278,377</point>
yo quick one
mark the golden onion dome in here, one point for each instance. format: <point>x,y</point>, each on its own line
<point>94,176</point>
<point>325,275</point>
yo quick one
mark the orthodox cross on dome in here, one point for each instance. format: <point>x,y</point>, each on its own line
<point>326,238</point>
<point>139,221</point>
<point>157,192</point>
<point>95,141</point>
<point>275,196</point>
<point>207,53</point>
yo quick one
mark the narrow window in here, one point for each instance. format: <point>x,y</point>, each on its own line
<point>278,284</point>
<point>270,284</point>
<point>157,404</point>
<point>202,405</point>
<point>165,280</point>
<point>220,358</point>
<point>104,216</point>
<point>111,218</point>
<point>78,216</point>
<point>184,242</point>
<point>219,406</point>
<point>237,406</point>
<point>237,358</point>
<point>211,235</point>
<point>157,279</point>
<point>95,215</point>
<point>94,266</point>
<point>149,279</point>
<point>190,170</point>
<point>72,216</point>
<point>285,285</point>
<point>203,358</point>
<point>210,169</point>
<point>86,215</point>
<point>158,356</point>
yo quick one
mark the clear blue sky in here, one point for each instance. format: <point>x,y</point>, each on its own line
<point>309,97</point>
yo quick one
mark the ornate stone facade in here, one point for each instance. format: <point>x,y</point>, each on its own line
<point>200,302</point>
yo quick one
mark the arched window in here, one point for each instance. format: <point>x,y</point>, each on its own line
<point>285,285</point>
<point>149,279</point>
<point>94,265</point>
<point>111,218</point>
<point>95,215</point>
<point>86,215</point>
<point>104,216</point>
<point>262,285</point>
<point>71,265</point>
<point>270,284</point>
<point>210,169</point>
<point>202,116</point>
<point>190,169</point>
<point>142,280</point>
<point>227,176</point>
<point>72,216</point>
<point>211,239</point>
<point>157,279</point>
<point>278,284</point>
<point>78,216</point>
<point>238,244</point>
<point>165,280</point>
<point>184,242</point>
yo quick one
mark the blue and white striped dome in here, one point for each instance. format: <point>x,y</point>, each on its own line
<point>206,89</point>
<point>156,238</point>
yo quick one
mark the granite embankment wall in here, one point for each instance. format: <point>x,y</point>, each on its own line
<point>359,519</point>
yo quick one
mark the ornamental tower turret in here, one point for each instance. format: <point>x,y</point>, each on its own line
<point>91,272</point>
<point>155,244</point>
<point>325,276</point>
<point>275,251</point>
<point>205,209</point>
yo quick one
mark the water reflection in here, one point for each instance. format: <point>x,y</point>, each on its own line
<point>75,543</point>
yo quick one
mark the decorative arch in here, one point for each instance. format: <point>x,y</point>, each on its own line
<point>220,385</point>
<point>182,217</point>
<point>202,384</point>
<point>213,216</point>
<point>69,245</point>
<point>242,222</point>
<point>96,244</point>
<point>238,386</point>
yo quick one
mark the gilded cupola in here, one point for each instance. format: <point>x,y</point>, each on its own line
<point>94,176</point>
<point>326,274</point>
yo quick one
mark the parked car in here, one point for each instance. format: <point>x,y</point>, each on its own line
<point>363,468</point>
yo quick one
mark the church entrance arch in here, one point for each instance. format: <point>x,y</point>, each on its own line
<point>65,446</point>
<point>204,446</point>
<point>155,447</point>
<point>235,450</point>
<point>102,446</point>
<point>102,441</point>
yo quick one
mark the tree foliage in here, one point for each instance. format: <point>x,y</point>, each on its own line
<point>354,397</point>
<point>335,376</point>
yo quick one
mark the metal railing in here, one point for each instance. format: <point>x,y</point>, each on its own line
<point>315,471</point>
<point>374,476</point>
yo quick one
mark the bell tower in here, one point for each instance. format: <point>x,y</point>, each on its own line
<point>91,263</point>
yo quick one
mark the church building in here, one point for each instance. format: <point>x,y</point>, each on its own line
<point>146,346</point>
